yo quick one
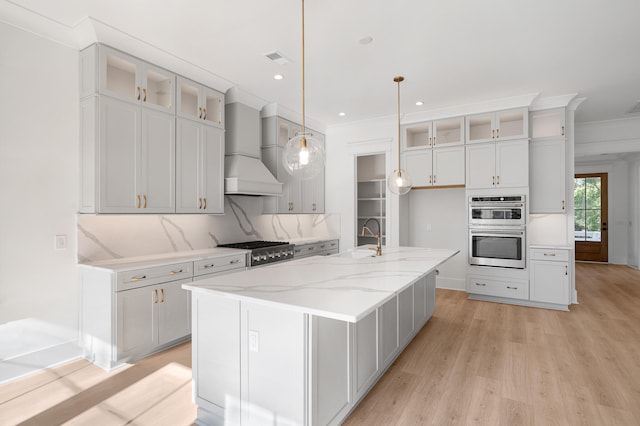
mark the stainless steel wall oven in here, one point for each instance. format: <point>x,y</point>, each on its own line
<point>497,231</point>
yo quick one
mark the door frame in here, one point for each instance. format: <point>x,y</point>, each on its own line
<point>590,251</point>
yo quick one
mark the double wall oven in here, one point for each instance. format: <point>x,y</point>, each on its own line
<point>497,231</point>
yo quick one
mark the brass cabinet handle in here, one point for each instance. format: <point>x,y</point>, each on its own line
<point>138,97</point>
<point>234,261</point>
<point>200,108</point>
<point>138,196</point>
<point>562,204</point>
<point>497,180</point>
<point>481,284</point>
<point>209,266</point>
<point>155,299</point>
<point>145,94</point>
<point>175,272</point>
<point>434,141</point>
<point>139,277</point>
<point>493,133</point>
<point>562,130</point>
<point>313,207</point>
<point>162,292</point>
<point>145,201</point>
<point>199,203</point>
<point>549,254</point>
<point>204,110</point>
<point>205,203</point>
<point>434,179</point>
<point>493,180</point>
<point>497,133</point>
<point>566,270</point>
<point>512,288</point>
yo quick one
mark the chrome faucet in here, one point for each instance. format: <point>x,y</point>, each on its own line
<point>378,248</point>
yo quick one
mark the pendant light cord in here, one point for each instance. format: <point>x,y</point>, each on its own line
<point>399,125</point>
<point>303,112</point>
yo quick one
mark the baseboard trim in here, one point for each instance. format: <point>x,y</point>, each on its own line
<point>24,365</point>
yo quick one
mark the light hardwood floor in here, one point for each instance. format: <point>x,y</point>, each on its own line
<point>473,363</point>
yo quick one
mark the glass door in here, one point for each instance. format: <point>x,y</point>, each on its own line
<point>591,217</point>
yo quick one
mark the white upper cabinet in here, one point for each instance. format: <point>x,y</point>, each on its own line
<point>547,154</point>
<point>448,131</point>
<point>500,125</point>
<point>497,165</point>
<point>199,168</point>
<point>127,163</point>
<point>107,71</point>
<point>198,102</point>
<point>548,123</point>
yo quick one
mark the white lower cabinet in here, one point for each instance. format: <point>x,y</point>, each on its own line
<point>550,276</point>
<point>130,311</point>
<point>255,364</point>
<point>491,286</point>
<point>151,316</point>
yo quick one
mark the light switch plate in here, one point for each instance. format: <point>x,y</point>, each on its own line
<point>254,341</point>
<point>61,242</point>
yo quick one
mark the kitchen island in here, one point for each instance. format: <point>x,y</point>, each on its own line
<point>302,342</point>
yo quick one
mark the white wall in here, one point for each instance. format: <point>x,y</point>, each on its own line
<point>38,187</point>
<point>438,218</point>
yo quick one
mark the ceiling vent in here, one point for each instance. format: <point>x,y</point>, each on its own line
<point>635,109</point>
<point>277,57</point>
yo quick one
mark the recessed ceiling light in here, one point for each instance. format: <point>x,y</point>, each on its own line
<point>278,76</point>
<point>365,40</point>
<point>342,114</point>
<point>419,103</point>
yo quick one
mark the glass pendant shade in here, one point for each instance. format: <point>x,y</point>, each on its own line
<point>303,156</point>
<point>399,182</point>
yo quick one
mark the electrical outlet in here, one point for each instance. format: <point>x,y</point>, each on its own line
<point>254,341</point>
<point>61,242</point>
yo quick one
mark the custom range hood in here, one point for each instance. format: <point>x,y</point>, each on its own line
<point>244,172</point>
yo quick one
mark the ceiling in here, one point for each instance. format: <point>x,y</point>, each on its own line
<point>451,53</point>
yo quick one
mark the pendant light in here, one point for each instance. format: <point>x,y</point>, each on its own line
<point>399,182</point>
<point>303,156</point>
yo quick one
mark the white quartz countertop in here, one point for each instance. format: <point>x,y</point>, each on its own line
<point>154,260</point>
<point>345,286</point>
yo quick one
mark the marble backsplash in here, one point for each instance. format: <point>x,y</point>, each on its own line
<point>102,237</point>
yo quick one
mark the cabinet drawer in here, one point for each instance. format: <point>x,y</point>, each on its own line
<point>513,289</point>
<point>146,276</point>
<point>550,254</point>
<point>219,264</point>
<point>305,250</point>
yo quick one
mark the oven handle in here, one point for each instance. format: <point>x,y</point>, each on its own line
<point>495,206</point>
<point>498,232</point>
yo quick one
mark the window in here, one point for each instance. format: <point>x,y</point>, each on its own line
<point>588,208</point>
